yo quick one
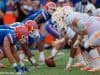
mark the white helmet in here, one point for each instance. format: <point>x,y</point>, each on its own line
<point>96,12</point>
<point>58,19</point>
<point>90,7</point>
<point>67,9</point>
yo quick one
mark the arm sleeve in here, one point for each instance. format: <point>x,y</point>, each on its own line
<point>49,28</point>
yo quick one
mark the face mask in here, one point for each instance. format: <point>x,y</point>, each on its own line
<point>34,34</point>
<point>23,39</point>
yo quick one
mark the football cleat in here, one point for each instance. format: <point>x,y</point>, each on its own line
<point>25,69</point>
<point>19,70</point>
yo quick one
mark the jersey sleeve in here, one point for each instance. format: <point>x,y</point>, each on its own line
<point>51,30</point>
<point>12,38</point>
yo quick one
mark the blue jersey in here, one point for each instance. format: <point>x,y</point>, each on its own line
<point>5,27</point>
<point>9,34</point>
<point>31,40</point>
<point>51,29</point>
<point>12,26</point>
<point>41,16</point>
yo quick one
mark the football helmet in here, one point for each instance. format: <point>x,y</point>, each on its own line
<point>50,7</point>
<point>21,32</point>
<point>31,25</point>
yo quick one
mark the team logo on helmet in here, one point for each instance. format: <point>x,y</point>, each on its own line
<point>31,25</point>
<point>21,31</point>
<point>50,7</point>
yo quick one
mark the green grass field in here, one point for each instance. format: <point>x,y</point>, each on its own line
<point>44,70</point>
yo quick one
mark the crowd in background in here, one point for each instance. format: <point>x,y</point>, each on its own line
<point>17,10</point>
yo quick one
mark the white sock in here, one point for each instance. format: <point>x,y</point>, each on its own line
<point>33,60</point>
<point>22,56</point>
<point>80,59</point>
<point>0,62</point>
<point>53,52</point>
<point>95,56</point>
<point>21,63</point>
<point>70,61</point>
<point>14,65</point>
<point>41,56</point>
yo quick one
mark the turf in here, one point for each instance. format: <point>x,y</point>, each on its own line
<point>44,70</point>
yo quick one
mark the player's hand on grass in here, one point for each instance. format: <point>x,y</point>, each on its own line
<point>68,68</point>
<point>36,65</point>
<point>56,42</point>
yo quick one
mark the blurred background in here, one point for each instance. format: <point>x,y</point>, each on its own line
<point>17,10</point>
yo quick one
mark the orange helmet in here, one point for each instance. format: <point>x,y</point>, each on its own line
<point>21,31</point>
<point>50,7</point>
<point>30,24</point>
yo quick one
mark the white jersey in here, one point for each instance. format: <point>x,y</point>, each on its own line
<point>90,23</point>
<point>70,33</point>
<point>93,19</point>
<point>94,39</point>
<point>91,28</point>
<point>96,12</point>
<point>93,24</point>
<point>83,18</point>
